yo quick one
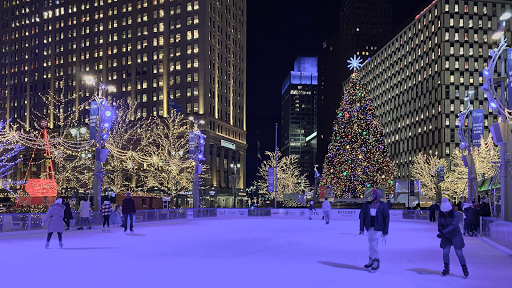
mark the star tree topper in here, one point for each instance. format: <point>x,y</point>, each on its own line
<point>354,63</point>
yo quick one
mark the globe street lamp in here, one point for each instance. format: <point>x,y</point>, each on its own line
<point>196,141</point>
<point>234,182</point>
<point>106,116</point>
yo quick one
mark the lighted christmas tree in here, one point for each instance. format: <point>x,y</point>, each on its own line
<point>357,157</point>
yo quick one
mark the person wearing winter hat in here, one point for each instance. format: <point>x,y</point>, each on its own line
<point>55,223</point>
<point>311,208</point>
<point>106,211</point>
<point>449,232</point>
<point>374,217</point>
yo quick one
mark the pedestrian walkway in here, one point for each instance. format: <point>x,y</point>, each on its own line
<point>254,252</point>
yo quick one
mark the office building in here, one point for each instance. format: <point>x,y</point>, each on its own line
<point>150,51</point>
<point>418,80</point>
<point>365,26</point>
<point>298,119</point>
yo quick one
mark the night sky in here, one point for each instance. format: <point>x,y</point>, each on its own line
<point>278,32</point>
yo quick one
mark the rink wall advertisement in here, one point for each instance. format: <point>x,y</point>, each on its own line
<point>232,213</point>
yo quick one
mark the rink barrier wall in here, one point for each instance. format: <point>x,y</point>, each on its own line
<point>500,232</point>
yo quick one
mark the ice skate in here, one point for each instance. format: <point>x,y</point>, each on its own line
<point>89,228</point>
<point>465,271</point>
<point>80,228</point>
<point>60,244</point>
<point>446,270</point>
<point>108,230</point>
<point>369,263</point>
<point>375,265</point>
<point>47,245</point>
<point>103,230</point>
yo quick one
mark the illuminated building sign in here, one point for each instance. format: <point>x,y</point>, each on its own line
<point>227,144</point>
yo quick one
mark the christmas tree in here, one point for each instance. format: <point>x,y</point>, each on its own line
<point>357,157</point>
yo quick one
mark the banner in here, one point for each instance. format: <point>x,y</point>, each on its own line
<point>477,117</point>
<point>232,213</point>
<point>191,145</point>
<point>93,116</point>
<point>271,181</point>
<point>322,192</point>
<point>509,73</point>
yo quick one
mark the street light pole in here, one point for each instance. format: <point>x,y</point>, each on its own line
<point>197,157</point>
<point>234,183</point>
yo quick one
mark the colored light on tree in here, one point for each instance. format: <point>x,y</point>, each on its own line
<point>357,157</point>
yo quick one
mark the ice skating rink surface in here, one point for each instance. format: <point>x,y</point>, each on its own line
<point>259,252</point>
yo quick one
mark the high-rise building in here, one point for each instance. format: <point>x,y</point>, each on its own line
<point>298,119</point>
<point>365,26</point>
<point>419,79</point>
<point>193,52</point>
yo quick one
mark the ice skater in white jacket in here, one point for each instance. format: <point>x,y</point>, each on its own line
<point>326,208</point>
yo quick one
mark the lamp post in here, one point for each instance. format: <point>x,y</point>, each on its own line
<point>197,143</point>
<point>234,182</point>
<point>465,144</point>
<point>501,131</point>
<point>100,138</point>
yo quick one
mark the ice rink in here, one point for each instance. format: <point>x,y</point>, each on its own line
<point>258,252</point>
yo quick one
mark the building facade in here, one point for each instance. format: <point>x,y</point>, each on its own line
<point>419,79</point>
<point>298,118</point>
<point>365,26</point>
<point>150,51</point>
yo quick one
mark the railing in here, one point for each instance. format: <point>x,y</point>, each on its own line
<point>497,231</point>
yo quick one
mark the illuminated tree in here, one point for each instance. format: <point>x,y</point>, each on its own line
<point>423,168</point>
<point>9,150</point>
<point>357,157</point>
<point>148,152</point>
<point>289,178</point>
<point>455,184</point>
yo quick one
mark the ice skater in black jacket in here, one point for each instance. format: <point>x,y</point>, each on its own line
<point>374,217</point>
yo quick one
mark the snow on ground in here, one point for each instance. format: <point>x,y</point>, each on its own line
<point>258,252</point>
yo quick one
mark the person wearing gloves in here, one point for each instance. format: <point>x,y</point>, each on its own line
<point>311,208</point>
<point>374,217</point>
<point>449,232</point>
<point>84,213</point>
<point>54,217</point>
<point>326,208</point>
<point>106,211</point>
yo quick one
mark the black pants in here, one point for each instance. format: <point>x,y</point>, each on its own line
<point>59,234</point>
<point>66,221</point>
<point>433,216</point>
<point>106,219</point>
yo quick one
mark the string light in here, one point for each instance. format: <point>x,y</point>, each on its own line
<point>289,178</point>
<point>357,155</point>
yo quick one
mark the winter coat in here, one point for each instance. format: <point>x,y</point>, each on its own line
<point>433,208</point>
<point>464,206</point>
<point>311,207</point>
<point>472,215</point>
<point>381,218</point>
<point>54,218</point>
<point>128,205</point>
<point>67,211</point>
<point>485,209</point>
<point>326,206</point>
<point>449,225</point>
<point>106,208</point>
<point>84,209</point>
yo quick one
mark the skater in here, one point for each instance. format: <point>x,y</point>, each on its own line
<point>326,208</point>
<point>311,208</point>
<point>84,213</point>
<point>472,219</point>
<point>115,217</point>
<point>54,217</point>
<point>68,215</point>
<point>432,211</point>
<point>449,232</point>
<point>128,211</point>
<point>106,210</point>
<point>464,217</point>
<point>374,217</point>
